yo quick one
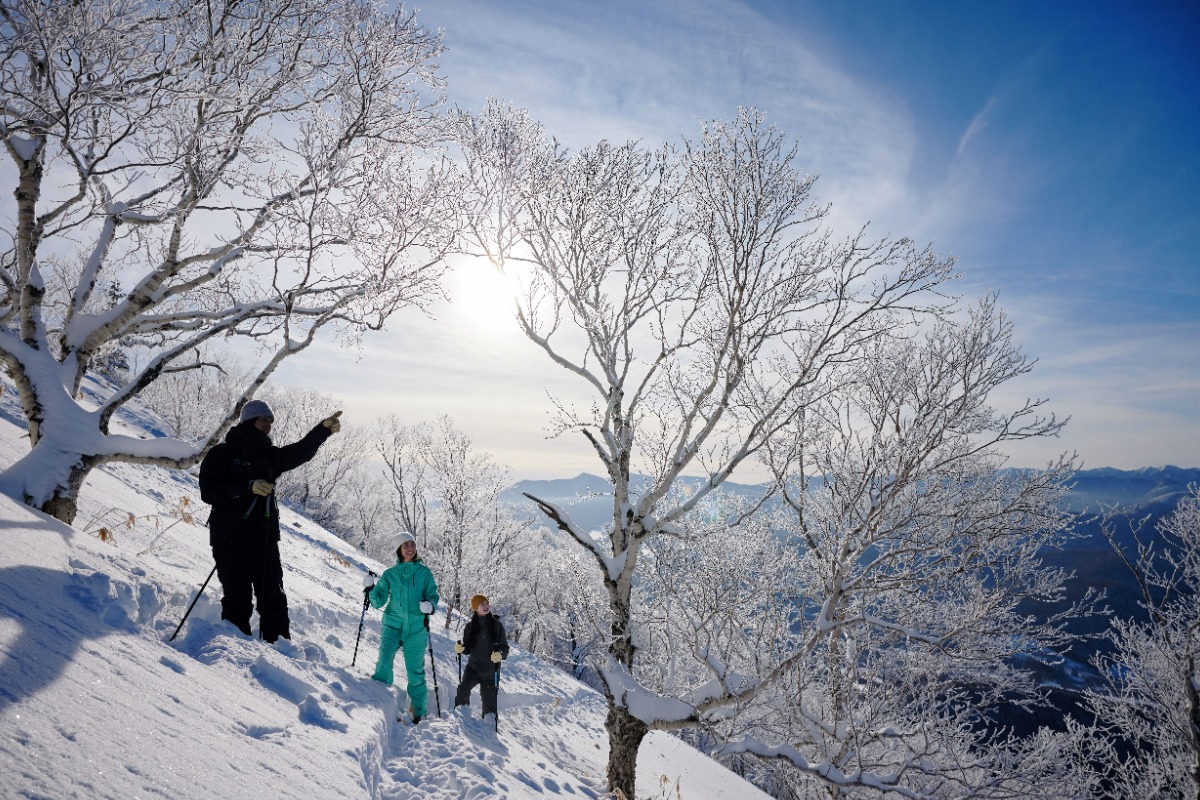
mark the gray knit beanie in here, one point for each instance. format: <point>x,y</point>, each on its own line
<point>255,409</point>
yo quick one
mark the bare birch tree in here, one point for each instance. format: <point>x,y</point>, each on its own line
<point>695,297</point>
<point>365,514</point>
<point>256,171</point>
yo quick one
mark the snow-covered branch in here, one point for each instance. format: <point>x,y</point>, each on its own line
<point>265,177</point>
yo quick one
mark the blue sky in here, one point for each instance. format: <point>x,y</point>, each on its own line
<point>1051,146</point>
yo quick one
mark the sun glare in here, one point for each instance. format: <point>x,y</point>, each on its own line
<point>483,299</point>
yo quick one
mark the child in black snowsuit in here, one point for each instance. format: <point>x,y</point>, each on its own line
<point>486,645</point>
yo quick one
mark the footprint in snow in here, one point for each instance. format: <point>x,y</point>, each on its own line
<point>292,689</point>
<point>171,663</point>
<point>280,682</point>
<point>261,731</point>
<point>313,713</point>
<point>305,652</point>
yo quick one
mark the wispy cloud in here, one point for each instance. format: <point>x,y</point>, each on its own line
<point>978,123</point>
<point>1130,389</point>
<point>654,70</point>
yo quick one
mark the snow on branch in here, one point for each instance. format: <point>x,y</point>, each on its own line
<point>269,177</point>
<point>612,565</point>
<point>825,770</point>
<point>651,708</point>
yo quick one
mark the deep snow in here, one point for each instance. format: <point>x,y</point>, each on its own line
<point>95,701</point>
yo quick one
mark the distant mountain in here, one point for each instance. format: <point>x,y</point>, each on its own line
<point>1150,494</point>
<point>1142,495</point>
<point>1151,490</point>
<point>581,485</point>
<point>588,497</point>
<point>1097,489</point>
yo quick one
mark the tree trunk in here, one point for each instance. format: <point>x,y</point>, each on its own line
<point>63,507</point>
<point>64,503</point>
<point>625,734</point>
<point>48,478</point>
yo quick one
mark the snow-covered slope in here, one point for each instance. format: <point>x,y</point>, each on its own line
<point>97,702</point>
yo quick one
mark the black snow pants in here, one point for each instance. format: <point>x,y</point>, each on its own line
<point>483,676</point>
<point>248,571</point>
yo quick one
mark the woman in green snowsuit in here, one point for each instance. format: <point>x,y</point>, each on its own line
<point>408,591</point>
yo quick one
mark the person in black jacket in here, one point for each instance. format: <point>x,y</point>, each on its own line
<point>237,478</point>
<point>486,644</point>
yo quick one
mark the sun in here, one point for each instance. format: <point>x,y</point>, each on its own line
<point>483,299</point>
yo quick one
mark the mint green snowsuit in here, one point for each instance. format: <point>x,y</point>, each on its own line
<point>402,587</point>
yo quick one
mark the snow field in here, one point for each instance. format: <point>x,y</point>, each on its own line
<point>97,702</point>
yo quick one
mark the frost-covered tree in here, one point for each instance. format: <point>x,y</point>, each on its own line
<point>448,493</point>
<point>552,601</point>
<point>703,309</point>
<point>400,445</point>
<point>472,529</point>
<point>363,511</point>
<point>919,591</point>
<point>254,171</point>
<point>1148,710</point>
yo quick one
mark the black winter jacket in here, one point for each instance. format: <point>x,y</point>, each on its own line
<point>238,515</point>
<point>481,636</point>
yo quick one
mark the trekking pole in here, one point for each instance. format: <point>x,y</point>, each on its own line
<point>460,641</point>
<point>361,620</point>
<point>193,605</point>
<point>433,667</point>
<point>497,717</point>
<point>366,604</point>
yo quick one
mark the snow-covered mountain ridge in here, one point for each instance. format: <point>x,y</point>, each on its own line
<point>588,497</point>
<point>97,701</point>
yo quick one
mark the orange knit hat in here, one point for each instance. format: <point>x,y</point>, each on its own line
<point>477,601</point>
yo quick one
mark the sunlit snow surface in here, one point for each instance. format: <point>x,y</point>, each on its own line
<point>95,701</point>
